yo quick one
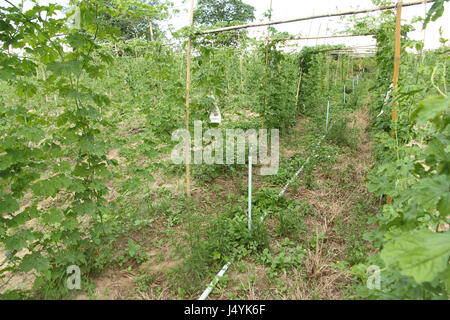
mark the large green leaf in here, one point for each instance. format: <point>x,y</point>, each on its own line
<point>421,254</point>
<point>430,109</point>
<point>34,261</point>
<point>8,204</point>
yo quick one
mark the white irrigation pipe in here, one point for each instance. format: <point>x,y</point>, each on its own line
<point>224,269</point>
<point>303,166</point>
<point>211,286</point>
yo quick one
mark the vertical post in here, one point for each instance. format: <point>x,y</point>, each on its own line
<point>309,31</point>
<point>328,75</point>
<point>318,33</point>
<point>398,26</point>
<point>352,69</point>
<point>344,94</point>
<point>241,67</point>
<point>337,68</point>
<point>151,30</point>
<point>188,87</point>
<point>299,85</point>
<point>267,63</point>
<point>250,188</point>
<point>396,58</point>
<point>328,112</point>
<point>44,78</point>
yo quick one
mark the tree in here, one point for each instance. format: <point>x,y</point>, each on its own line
<point>210,13</point>
<point>135,18</point>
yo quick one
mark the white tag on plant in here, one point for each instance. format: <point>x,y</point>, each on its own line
<point>215,116</point>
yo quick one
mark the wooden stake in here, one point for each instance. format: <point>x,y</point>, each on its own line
<point>241,63</point>
<point>327,80</point>
<point>309,31</point>
<point>299,85</point>
<point>318,32</point>
<point>188,88</point>
<point>398,26</point>
<point>44,78</point>
<point>266,71</point>
<point>337,68</point>
<point>348,69</point>
<point>151,31</point>
<point>320,78</point>
<point>352,69</point>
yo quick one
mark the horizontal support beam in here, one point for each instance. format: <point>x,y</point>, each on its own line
<point>325,37</point>
<point>328,15</point>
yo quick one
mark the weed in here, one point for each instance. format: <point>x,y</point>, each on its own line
<point>342,135</point>
<point>289,221</point>
<point>144,281</point>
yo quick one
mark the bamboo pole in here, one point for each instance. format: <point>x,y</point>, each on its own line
<point>352,69</point>
<point>398,26</point>
<point>327,80</point>
<point>155,90</point>
<point>320,67</point>
<point>397,58</point>
<point>320,78</point>
<point>241,67</point>
<point>318,32</point>
<point>337,68</point>
<point>348,69</point>
<point>267,62</point>
<point>299,84</point>
<point>188,87</point>
<point>151,31</point>
<point>329,15</point>
<point>44,77</point>
<point>310,26</point>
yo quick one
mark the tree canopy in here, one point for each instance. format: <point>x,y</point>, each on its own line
<point>212,12</point>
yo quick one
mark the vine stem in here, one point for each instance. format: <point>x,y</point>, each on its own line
<point>434,85</point>
<point>38,29</point>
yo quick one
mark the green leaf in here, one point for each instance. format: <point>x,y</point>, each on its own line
<point>65,68</point>
<point>430,109</point>
<point>436,11</point>
<point>8,204</point>
<point>50,187</point>
<point>429,191</point>
<point>34,261</point>
<point>421,254</point>
<point>444,205</point>
<point>19,240</point>
<point>54,216</point>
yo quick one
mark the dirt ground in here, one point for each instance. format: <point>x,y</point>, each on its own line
<point>318,279</point>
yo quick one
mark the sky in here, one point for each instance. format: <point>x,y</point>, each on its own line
<point>285,9</point>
